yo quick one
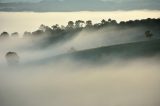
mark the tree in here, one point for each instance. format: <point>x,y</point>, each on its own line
<point>38,33</point>
<point>79,24</point>
<point>15,34</point>
<point>103,22</point>
<point>122,23</point>
<point>70,25</point>
<point>42,27</point>
<point>27,34</point>
<point>97,26</point>
<point>112,22</point>
<point>4,35</point>
<point>109,20</point>
<point>72,49</point>
<point>48,30</point>
<point>55,27</point>
<point>88,23</point>
<point>62,27</point>
<point>12,58</point>
<point>148,34</point>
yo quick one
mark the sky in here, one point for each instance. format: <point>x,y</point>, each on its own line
<point>18,21</point>
<point>5,1</point>
<point>78,5</point>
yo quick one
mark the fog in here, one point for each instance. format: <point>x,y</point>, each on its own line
<point>69,83</point>
<point>30,50</point>
<point>36,81</point>
<point>133,82</point>
<point>106,37</point>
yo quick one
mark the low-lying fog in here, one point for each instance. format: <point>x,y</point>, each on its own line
<point>73,83</point>
<point>134,82</point>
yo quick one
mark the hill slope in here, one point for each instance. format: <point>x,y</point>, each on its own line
<point>129,50</point>
<point>133,50</point>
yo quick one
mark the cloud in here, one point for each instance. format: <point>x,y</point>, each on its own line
<point>83,5</point>
<point>7,1</point>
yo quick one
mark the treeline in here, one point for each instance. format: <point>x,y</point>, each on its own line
<point>56,32</point>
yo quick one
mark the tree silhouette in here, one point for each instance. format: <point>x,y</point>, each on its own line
<point>70,25</point>
<point>103,22</point>
<point>38,33</point>
<point>148,34</point>
<point>55,27</point>
<point>79,24</point>
<point>109,20</point>
<point>88,23</point>
<point>114,22</point>
<point>42,27</point>
<point>72,49</point>
<point>122,23</point>
<point>57,32</point>
<point>4,35</point>
<point>15,34</point>
<point>27,34</point>
<point>12,58</point>
<point>62,27</point>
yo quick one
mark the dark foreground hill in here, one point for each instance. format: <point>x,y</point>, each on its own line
<point>133,50</point>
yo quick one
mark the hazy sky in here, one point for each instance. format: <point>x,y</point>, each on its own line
<point>74,0</point>
<point>19,0</point>
<point>78,5</point>
<point>18,21</point>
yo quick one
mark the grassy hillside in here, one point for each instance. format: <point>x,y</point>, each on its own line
<point>141,49</point>
<point>129,50</point>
